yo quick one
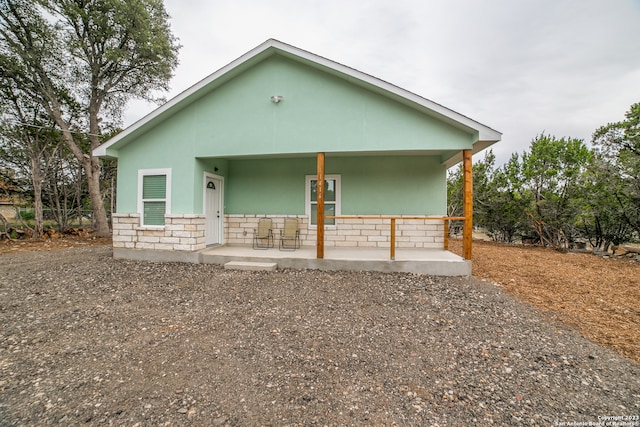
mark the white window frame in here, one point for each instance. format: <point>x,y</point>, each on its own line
<point>167,209</point>
<point>307,197</point>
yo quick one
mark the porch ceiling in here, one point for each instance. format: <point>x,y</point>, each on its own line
<point>441,153</point>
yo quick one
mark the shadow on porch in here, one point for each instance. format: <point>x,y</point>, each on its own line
<point>426,261</point>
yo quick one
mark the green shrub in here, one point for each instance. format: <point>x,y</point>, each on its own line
<point>27,215</point>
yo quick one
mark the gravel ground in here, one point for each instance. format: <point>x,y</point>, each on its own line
<point>86,339</point>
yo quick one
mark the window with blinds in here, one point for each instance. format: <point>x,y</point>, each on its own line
<point>154,199</point>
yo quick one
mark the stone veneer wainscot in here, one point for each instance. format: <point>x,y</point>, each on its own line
<point>371,232</point>
<point>180,233</point>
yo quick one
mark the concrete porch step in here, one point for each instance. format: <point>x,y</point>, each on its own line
<point>251,266</point>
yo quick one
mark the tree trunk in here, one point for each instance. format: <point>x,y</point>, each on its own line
<point>100,224</point>
<point>6,232</point>
<point>92,171</point>
<point>54,200</point>
<point>36,181</point>
<point>91,167</point>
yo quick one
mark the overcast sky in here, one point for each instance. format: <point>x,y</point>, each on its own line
<point>521,67</point>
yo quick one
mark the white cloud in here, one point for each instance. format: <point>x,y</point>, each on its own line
<point>521,67</point>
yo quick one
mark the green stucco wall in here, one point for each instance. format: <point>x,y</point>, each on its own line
<point>275,186</point>
<point>370,185</point>
<point>318,112</point>
<point>234,126</point>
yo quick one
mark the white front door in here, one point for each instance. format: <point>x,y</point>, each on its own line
<point>213,210</point>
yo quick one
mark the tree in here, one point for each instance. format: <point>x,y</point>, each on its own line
<point>31,152</point>
<point>490,194</point>
<point>551,171</point>
<point>602,221</point>
<point>562,191</point>
<point>454,196</point>
<point>619,143</point>
<point>485,195</point>
<point>497,205</point>
<point>64,189</point>
<point>483,191</point>
<point>455,187</point>
<point>27,144</point>
<point>497,198</point>
<point>507,219</point>
<point>81,61</point>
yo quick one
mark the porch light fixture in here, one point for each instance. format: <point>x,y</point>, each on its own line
<point>276,98</point>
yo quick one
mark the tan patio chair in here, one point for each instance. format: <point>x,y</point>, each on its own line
<point>263,235</point>
<point>290,235</point>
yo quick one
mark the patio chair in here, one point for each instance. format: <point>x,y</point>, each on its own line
<point>290,235</point>
<point>263,235</point>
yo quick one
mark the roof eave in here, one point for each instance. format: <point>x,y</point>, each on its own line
<point>478,146</point>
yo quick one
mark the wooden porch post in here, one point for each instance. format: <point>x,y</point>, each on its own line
<point>446,234</point>
<point>393,239</point>
<point>320,200</point>
<point>467,232</point>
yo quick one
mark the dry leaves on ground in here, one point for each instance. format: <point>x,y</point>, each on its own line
<point>599,296</point>
<point>51,243</point>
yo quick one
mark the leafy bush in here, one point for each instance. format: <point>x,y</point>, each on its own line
<point>27,215</point>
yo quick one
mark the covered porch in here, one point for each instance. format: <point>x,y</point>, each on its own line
<point>439,262</point>
<point>431,261</point>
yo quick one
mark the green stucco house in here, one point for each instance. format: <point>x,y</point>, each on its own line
<point>243,144</point>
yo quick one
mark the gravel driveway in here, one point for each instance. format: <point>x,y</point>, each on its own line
<point>86,339</point>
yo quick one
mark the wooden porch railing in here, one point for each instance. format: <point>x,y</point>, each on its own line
<point>392,246</point>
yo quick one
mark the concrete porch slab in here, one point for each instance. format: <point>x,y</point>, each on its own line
<point>423,261</point>
<point>420,261</point>
<point>250,266</point>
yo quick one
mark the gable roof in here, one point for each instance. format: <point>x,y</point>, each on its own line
<point>486,135</point>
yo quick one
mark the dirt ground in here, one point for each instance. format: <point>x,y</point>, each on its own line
<point>599,296</point>
<point>89,340</point>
